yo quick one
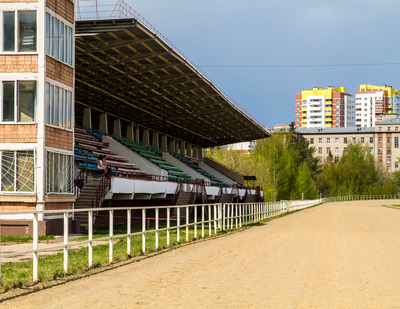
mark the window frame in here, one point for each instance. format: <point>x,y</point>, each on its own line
<point>17,101</point>
<point>17,32</point>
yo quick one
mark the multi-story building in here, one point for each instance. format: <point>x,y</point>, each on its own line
<point>372,102</point>
<point>320,108</point>
<point>36,113</point>
<point>383,140</point>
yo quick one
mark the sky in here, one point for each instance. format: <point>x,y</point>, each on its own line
<point>262,52</point>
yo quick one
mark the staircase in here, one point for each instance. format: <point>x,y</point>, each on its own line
<point>85,201</point>
<point>184,198</point>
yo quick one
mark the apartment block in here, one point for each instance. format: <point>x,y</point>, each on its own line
<point>372,102</point>
<point>36,112</point>
<point>324,108</point>
<point>383,139</point>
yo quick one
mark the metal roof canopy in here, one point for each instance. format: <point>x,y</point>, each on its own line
<point>124,69</point>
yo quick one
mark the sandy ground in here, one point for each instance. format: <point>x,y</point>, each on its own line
<point>343,255</point>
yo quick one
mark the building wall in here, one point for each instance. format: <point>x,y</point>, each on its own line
<point>319,108</point>
<point>384,142</point>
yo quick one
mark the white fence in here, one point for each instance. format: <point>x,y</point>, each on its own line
<point>200,220</point>
<point>360,198</point>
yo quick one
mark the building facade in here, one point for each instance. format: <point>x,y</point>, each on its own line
<point>324,107</point>
<point>383,139</point>
<point>37,104</point>
<point>372,102</point>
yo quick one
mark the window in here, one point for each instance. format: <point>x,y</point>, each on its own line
<point>379,139</point>
<point>18,101</point>
<point>396,164</point>
<point>380,150</point>
<point>311,140</point>
<point>389,150</point>
<point>319,149</point>
<point>388,159</point>
<point>371,140</point>
<point>328,149</point>
<point>336,150</point>
<point>362,140</point>
<point>389,129</point>
<point>380,129</point>
<point>389,140</point>
<point>396,129</point>
<point>58,39</point>
<point>389,169</point>
<point>380,159</point>
<point>396,142</point>
<point>58,106</point>
<point>320,140</point>
<point>353,140</point>
<point>17,171</point>
<point>336,140</point>
<point>19,31</point>
<point>328,140</point>
<point>345,140</point>
<point>59,173</point>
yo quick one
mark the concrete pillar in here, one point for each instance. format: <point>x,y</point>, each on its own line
<point>117,127</point>
<point>189,150</point>
<point>146,137</point>
<point>164,145</point>
<point>194,153</point>
<point>87,118</point>
<point>137,134</point>
<point>172,145</point>
<point>182,148</point>
<point>199,153</point>
<point>103,127</point>
<point>130,132</point>
<point>155,142</point>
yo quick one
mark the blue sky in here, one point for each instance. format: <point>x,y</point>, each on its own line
<point>262,52</point>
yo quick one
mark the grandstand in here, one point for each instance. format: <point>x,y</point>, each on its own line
<point>138,101</point>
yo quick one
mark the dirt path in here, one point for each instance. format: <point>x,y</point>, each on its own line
<point>344,255</point>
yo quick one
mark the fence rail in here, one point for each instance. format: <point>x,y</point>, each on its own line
<point>199,220</point>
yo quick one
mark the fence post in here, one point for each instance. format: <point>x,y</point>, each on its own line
<point>187,223</point>
<point>143,230</point>
<point>195,222</point>
<point>178,224</point>
<point>223,216</point>
<point>90,232</point>
<point>157,216</point>
<point>202,221</point>
<point>168,224</point>
<point>128,231</point>
<point>35,246</point>
<point>110,241</point>
<point>240,215</point>
<point>215,219</point>
<point>65,242</point>
<point>209,220</point>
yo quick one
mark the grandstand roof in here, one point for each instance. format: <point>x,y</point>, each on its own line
<point>126,70</point>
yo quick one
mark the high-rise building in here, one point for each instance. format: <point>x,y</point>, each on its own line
<point>324,107</point>
<point>372,102</point>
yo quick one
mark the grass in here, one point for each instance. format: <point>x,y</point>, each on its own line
<point>9,239</point>
<point>392,206</point>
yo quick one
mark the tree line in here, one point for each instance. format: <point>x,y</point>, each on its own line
<point>287,168</point>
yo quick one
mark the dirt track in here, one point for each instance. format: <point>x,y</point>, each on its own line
<point>343,255</point>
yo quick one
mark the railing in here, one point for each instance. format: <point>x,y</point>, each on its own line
<point>102,189</point>
<point>82,177</point>
<point>361,198</point>
<point>199,221</point>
